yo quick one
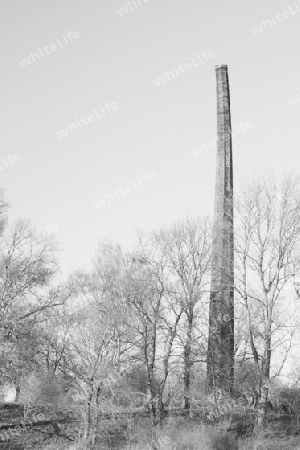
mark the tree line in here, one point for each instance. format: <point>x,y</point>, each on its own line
<point>132,332</point>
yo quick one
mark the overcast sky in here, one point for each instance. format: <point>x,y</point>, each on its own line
<point>75,182</point>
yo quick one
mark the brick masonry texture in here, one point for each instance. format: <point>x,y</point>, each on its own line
<point>220,358</point>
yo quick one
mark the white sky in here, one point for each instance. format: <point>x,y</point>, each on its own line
<point>57,181</point>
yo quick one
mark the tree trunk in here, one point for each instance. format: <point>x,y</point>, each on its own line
<point>18,392</point>
<point>264,390</point>
<point>91,418</point>
<point>187,361</point>
<point>262,407</point>
<point>186,377</point>
<point>160,407</point>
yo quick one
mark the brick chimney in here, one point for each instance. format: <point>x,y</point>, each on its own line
<point>220,356</point>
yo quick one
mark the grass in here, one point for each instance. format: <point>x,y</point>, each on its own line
<point>177,433</point>
<point>183,434</point>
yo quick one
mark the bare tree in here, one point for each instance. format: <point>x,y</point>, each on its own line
<point>168,283</point>
<point>27,266</point>
<point>98,345</point>
<point>144,290</point>
<point>187,249</point>
<point>268,226</point>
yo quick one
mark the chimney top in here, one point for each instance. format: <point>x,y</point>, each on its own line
<point>219,66</point>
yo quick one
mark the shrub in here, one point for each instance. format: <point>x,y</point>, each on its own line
<point>224,441</point>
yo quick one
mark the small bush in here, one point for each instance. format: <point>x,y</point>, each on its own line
<point>222,441</point>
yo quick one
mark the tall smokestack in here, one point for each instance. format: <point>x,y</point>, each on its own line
<point>220,356</point>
